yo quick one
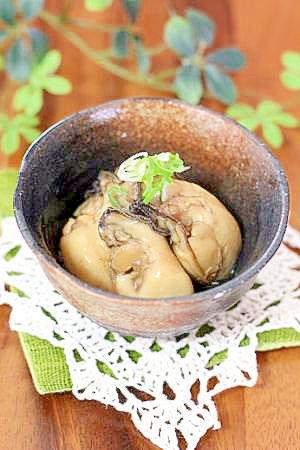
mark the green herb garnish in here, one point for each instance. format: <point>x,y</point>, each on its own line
<point>155,172</point>
<point>114,192</point>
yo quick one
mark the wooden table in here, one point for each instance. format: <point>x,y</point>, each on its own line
<point>265,417</point>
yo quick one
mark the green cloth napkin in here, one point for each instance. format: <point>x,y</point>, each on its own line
<point>50,373</point>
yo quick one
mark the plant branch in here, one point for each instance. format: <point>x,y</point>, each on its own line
<point>93,25</point>
<point>101,57</point>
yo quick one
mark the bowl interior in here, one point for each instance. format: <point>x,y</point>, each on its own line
<point>225,159</point>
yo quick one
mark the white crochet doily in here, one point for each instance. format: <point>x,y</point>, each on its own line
<point>115,370</point>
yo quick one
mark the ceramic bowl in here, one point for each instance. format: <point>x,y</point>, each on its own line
<point>226,159</point>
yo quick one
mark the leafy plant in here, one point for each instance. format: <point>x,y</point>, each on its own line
<point>29,97</point>
<point>8,178</point>
<point>290,76</point>
<point>189,37</point>
<point>268,115</point>
<point>29,64</point>
<point>14,127</point>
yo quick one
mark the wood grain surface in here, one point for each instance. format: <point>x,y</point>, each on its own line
<point>265,417</point>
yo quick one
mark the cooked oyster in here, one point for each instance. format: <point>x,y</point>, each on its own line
<point>84,253</point>
<point>141,261</point>
<point>204,235</point>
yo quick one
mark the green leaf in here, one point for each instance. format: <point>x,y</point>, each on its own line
<point>50,63</point>
<point>132,8</point>
<point>229,58</point>
<point>267,107</point>
<point>3,35</point>
<point>114,193</point>
<point>290,80</point>
<point>250,122</point>
<point>39,42</point>
<point>18,61</point>
<point>29,134</point>
<point>10,254</point>
<point>238,110</point>
<point>291,60</point>
<point>30,8</point>
<point>12,273</point>
<point>97,5</point>
<point>7,11</point>
<point>10,141</point>
<point>179,36</point>
<point>120,44</point>
<point>8,180</point>
<point>105,369</point>
<point>245,114</point>
<point>28,98</point>
<point>23,120</point>
<point>203,26</point>
<point>219,84</point>
<point>285,120</point>
<point>272,134</point>
<point>142,57</point>
<point>57,85</point>
<point>2,62</point>
<point>188,84</point>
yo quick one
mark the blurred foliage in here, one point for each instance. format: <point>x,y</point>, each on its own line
<point>8,178</point>
<point>201,72</point>
<point>268,115</point>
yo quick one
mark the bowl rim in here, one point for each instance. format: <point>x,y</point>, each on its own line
<point>210,294</point>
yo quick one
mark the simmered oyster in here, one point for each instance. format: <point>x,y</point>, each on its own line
<point>143,233</point>
<point>204,235</point>
<point>141,262</point>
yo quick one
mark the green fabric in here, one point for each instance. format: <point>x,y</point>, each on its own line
<point>49,369</point>
<point>47,365</point>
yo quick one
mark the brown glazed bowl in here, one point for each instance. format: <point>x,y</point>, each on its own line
<point>226,159</point>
